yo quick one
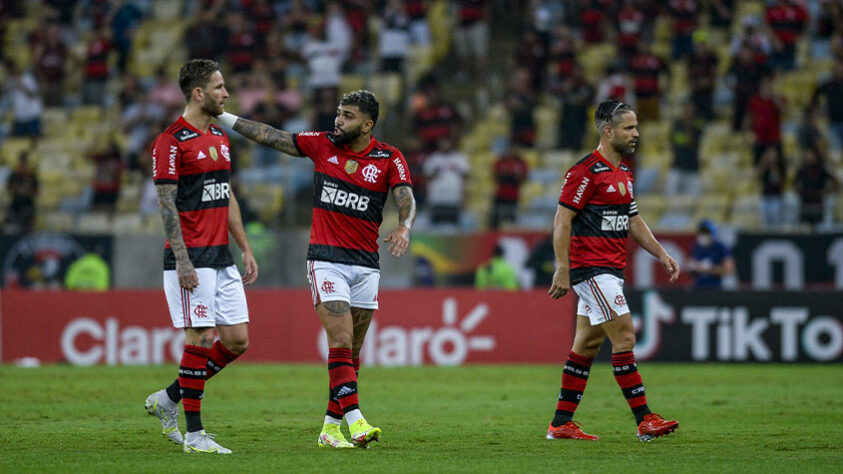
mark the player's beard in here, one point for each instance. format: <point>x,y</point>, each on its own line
<point>211,107</point>
<point>625,148</point>
<point>347,137</point>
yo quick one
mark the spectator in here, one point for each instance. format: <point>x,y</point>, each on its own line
<point>744,77</point>
<point>764,119</point>
<point>324,60</point>
<point>496,273</point>
<point>434,118</point>
<point>684,174</point>
<point>137,121</point>
<point>631,27</point>
<point>325,110</point>
<point>25,97</point>
<point>787,19</point>
<point>710,259</point>
<point>564,48</point>
<point>165,92</point>
<point>446,171</point>
<point>471,36</point>
<point>685,15</point>
<point>771,171</point>
<point>702,76</point>
<point>96,68</point>
<point>88,273</point>
<point>262,14</point>
<point>752,36</point>
<point>339,29</point>
<point>594,21</point>
<point>419,30</point>
<point>107,174</point>
<point>542,261</point>
<point>295,22</point>
<point>543,15</point>
<point>124,22</point>
<point>832,90</point>
<point>814,183</point>
<point>521,102</point>
<point>49,56</point>
<point>252,88</point>
<point>531,55</point>
<point>22,186</point>
<point>206,39</point>
<point>809,133</point>
<point>576,95</point>
<point>647,69</point>
<point>721,13</point>
<point>394,37</point>
<point>416,156</point>
<point>242,43</point>
<point>510,171</point>
<point>615,85</point>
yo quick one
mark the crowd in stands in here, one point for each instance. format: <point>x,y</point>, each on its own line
<point>738,99</point>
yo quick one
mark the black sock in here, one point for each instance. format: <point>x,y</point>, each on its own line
<point>639,413</point>
<point>174,391</point>
<point>194,421</point>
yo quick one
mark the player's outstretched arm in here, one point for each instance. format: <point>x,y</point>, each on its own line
<point>188,279</point>
<point>261,133</point>
<point>235,227</point>
<point>399,239</point>
<point>640,232</point>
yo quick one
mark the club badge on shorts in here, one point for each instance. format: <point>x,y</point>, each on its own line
<point>351,166</point>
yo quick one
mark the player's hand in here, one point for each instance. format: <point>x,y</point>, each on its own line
<point>561,283</point>
<point>399,240</point>
<point>188,278</point>
<point>250,268</point>
<point>670,266</point>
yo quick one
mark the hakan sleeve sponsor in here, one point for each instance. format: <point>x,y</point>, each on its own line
<point>577,188</point>
<point>165,159</point>
<point>310,143</point>
<point>399,172</point>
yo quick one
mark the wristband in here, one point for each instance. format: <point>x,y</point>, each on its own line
<point>227,119</point>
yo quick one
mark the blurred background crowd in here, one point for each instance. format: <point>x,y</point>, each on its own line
<point>740,105</point>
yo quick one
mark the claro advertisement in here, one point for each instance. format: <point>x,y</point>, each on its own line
<point>432,327</point>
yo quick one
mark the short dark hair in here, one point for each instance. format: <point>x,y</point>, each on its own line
<point>607,113</point>
<point>365,101</point>
<point>196,73</point>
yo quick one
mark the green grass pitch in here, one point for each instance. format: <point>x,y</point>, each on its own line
<point>733,418</point>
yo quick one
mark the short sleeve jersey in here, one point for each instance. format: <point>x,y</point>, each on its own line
<point>200,164</point>
<point>350,190</point>
<point>602,197</point>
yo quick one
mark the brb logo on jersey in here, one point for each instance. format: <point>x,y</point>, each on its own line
<point>213,191</point>
<point>370,173</point>
<point>615,222</point>
<point>331,194</point>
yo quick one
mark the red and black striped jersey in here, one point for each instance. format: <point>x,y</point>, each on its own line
<point>200,164</point>
<point>350,190</point>
<point>602,197</point>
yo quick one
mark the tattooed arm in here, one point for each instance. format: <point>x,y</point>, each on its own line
<point>188,279</point>
<point>261,133</point>
<point>399,239</point>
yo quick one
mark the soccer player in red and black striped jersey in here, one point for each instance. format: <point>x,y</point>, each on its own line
<point>353,176</point>
<point>596,212</point>
<point>191,165</point>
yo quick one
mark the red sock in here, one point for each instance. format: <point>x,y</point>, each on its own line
<point>629,380</point>
<point>574,378</point>
<point>192,373</point>
<point>218,358</point>
<point>343,379</point>
<point>334,410</point>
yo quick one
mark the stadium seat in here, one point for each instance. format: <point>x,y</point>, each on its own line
<point>11,148</point>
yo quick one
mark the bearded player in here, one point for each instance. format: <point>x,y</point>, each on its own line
<point>596,212</point>
<point>353,176</point>
<point>204,290</point>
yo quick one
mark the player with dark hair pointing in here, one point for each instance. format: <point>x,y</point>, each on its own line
<point>353,176</point>
<point>191,164</point>
<point>596,212</point>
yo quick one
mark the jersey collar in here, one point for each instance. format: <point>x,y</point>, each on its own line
<point>187,124</point>
<point>607,162</point>
<point>362,152</point>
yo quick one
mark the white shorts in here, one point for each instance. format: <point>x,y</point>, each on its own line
<point>219,300</point>
<point>354,284</point>
<point>601,298</point>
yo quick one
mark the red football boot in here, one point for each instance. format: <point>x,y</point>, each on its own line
<point>570,430</point>
<point>654,426</point>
